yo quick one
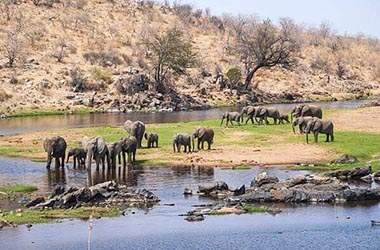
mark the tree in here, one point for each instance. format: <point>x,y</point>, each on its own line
<point>172,53</point>
<point>262,45</point>
<point>13,47</point>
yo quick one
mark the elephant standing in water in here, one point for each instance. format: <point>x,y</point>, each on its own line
<point>136,129</point>
<point>231,116</point>
<point>250,112</point>
<point>129,145</point>
<point>318,126</point>
<point>79,156</point>
<point>55,147</point>
<point>182,139</point>
<point>301,122</point>
<point>264,112</point>
<point>114,150</point>
<point>204,135</point>
<point>306,110</point>
<point>96,148</point>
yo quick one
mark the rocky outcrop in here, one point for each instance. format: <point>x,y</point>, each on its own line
<point>263,179</point>
<point>356,173</point>
<point>107,193</point>
<point>345,159</point>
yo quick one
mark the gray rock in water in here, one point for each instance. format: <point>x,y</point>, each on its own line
<point>208,188</point>
<point>57,191</point>
<point>263,179</point>
<point>35,201</point>
<point>356,173</point>
<point>196,217</point>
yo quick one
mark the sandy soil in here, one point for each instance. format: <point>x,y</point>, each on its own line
<point>364,120</point>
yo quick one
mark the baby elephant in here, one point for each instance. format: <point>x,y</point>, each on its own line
<point>231,116</point>
<point>318,126</point>
<point>152,140</point>
<point>182,139</point>
<point>79,156</point>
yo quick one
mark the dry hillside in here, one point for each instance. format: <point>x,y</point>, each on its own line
<point>47,46</point>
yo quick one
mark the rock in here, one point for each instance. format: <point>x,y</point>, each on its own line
<point>263,179</point>
<point>193,218</point>
<point>356,173</point>
<point>35,202</point>
<point>208,188</point>
<point>367,178</point>
<point>240,190</point>
<point>57,191</point>
<point>297,180</point>
<point>70,95</point>
<point>345,159</point>
<point>188,191</point>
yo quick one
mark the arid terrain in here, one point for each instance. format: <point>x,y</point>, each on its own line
<point>50,46</point>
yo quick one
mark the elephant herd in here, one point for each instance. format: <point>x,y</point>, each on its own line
<point>306,116</point>
<point>97,149</point>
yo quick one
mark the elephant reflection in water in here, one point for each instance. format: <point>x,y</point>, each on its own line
<point>56,177</point>
<point>120,175</point>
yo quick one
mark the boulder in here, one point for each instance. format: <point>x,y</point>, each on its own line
<point>356,173</point>
<point>345,159</point>
<point>35,201</point>
<point>217,186</point>
<point>263,179</point>
<point>297,180</point>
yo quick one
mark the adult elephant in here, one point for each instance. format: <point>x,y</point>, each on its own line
<point>96,148</point>
<point>182,139</point>
<point>318,126</point>
<point>204,135</point>
<point>136,129</point>
<point>306,110</point>
<point>55,147</point>
<point>231,116</point>
<point>301,122</point>
<point>129,145</point>
<point>264,112</point>
<point>250,112</point>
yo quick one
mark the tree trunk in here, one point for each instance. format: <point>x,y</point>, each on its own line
<point>250,75</point>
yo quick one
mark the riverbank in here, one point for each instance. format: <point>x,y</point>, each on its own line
<point>356,133</point>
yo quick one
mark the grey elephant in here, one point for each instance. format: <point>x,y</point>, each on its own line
<point>152,140</point>
<point>204,134</point>
<point>264,112</point>
<point>129,145</point>
<point>96,148</point>
<point>231,116</point>
<point>55,147</point>
<point>250,112</point>
<point>306,110</point>
<point>301,122</point>
<point>284,118</point>
<point>318,126</point>
<point>114,150</point>
<point>79,156</point>
<point>136,129</point>
<point>182,139</point>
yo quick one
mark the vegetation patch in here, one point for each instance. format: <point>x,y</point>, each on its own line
<point>250,209</point>
<point>18,189</point>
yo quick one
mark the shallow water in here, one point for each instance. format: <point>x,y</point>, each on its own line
<point>34,123</point>
<point>298,226</point>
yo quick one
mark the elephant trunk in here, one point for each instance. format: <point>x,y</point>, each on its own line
<point>68,157</point>
<point>48,158</point>
<point>88,159</point>
<point>294,131</point>
<point>307,137</point>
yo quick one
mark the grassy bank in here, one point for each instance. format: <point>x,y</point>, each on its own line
<point>18,189</point>
<point>24,112</point>
<point>45,216</point>
<point>236,146</point>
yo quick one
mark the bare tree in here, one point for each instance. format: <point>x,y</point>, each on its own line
<point>262,45</point>
<point>60,52</point>
<point>172,53</point>
<point>12,46</point>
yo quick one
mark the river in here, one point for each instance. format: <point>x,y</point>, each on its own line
<point>35,123</point>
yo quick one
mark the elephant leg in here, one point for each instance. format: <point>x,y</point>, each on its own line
<point>316,137</point>
<point>124,162</point>
<point>178,148</point>
<point>209,145</point>
<point>185,148</point>
<point>332,136</point>
<point>75,162</point>
<point>63,160</point>
<point>203,144</point>
<point>97,162</point>
<point>57,165</point>
<point>301,130</point>
<point>327,137</point>
<point>199,148</point>
<point>275,121</point>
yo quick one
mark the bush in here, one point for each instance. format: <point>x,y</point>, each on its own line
<point>234,75</point>
<point>78,80</point>
<point>101,75</point>
<point>103,57</point>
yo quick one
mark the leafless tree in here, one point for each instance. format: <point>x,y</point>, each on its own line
<point>13,46</point>
<point>60,52</point>
<point>263,45</point>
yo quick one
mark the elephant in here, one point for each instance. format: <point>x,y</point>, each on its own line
<point>203,134</point>
<point>55,147</point>
<point>301,122</point>
<point>284,118</point>
<point>96,148</point>
<point>114,150</point>
<point>250,112</point>
<point>306,110</point>
<point>129,145</point>
<point>79,156</point>
<point>152,140</point>
<point>182,139</point>
<point>264,112</point>
<point>231,116</point>
<point>318,126</point>
<point>136,129</point>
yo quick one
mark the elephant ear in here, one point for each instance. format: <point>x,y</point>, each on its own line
<point>46,144</point>
<point>85,142</point>
<point>262,111</point>
<point>128,126</point>
<point>317,125</point>
<point>101,144</point>
<point>201,132</point>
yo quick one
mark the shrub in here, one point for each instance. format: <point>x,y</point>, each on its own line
<point>103,57</point>
<point>101,75</point>
<point>234,75</point>
<point>4,95</point>
<point>78,80</point>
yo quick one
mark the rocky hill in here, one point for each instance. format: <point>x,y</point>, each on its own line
<point>75,55</point>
